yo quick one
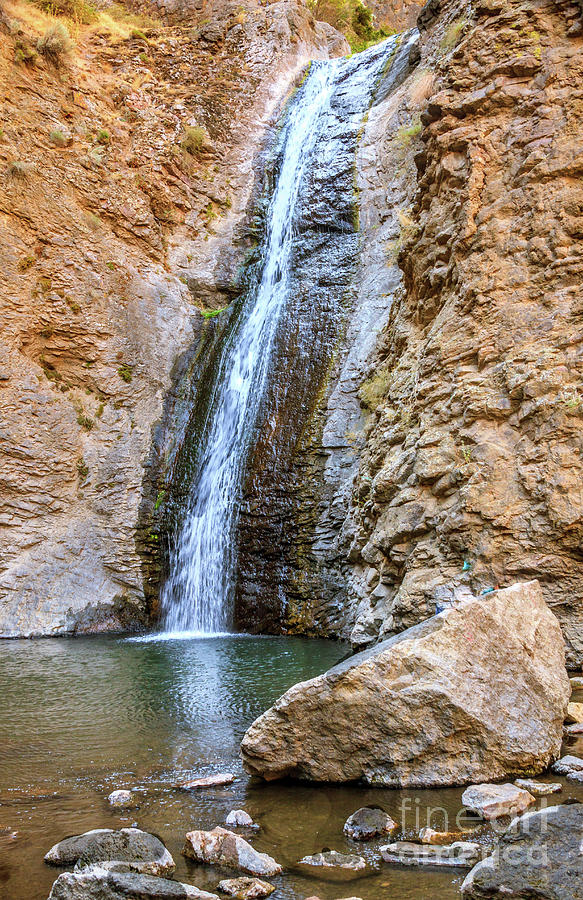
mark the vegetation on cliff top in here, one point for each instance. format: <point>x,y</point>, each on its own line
<point>353,19</point>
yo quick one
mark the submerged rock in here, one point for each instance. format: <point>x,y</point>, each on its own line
<point>539,788</point>
<point>333,866</point>
<point>428,835</point>
<point>461,854</point>
<point>246,888</point>
<point>114,882</point>
<point>538,856</point>
<point>475,693</point>
<point>138,850</point>
<point>367,823</point>
<point>490,801</point>
<point>122,800</point>
<point>210,781</point>
<point>238,817</point>
<point>224,848</point>
<point>576,682</point>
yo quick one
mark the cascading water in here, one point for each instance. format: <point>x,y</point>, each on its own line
<point>197,597</point>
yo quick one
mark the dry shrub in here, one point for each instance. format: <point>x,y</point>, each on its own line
<point>56,43</point>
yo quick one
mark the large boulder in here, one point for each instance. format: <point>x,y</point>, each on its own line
<point>110,882</point>
<point>473,694</point>
<point>539,856</point>
<point>138,850</point>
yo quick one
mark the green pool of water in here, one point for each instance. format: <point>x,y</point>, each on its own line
<point>80,718</point>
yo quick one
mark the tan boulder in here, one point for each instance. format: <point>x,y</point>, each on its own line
<point>574,714</point>
<point>473,694</point>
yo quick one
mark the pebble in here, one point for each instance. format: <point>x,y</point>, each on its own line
<point>241,818</point>
<point>246,888</point>
<point>209,781</point>
<point>122,800</point>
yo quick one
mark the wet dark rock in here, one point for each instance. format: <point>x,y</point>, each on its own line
<point>461,854</point>
<point>539,856</point>
<point>138,850</point>
<point>114,882</point>
<point>284,560</point>
<point>333,866</point>
<point>367,823</point>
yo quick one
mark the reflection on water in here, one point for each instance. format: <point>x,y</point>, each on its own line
<point>81,717</point>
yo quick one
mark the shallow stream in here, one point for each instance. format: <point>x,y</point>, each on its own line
<point>82,717</point>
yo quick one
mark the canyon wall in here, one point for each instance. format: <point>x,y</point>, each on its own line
<point>436,450</point>
<point>469,448</point>
<point>116,241</point>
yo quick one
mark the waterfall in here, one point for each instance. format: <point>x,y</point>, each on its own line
<point>197,597</point>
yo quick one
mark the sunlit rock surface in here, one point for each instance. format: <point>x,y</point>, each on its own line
<point>471,695</point>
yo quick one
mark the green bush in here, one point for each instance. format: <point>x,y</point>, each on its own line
<point>195,139</point>
<point>125,372</point>
<point>58,138</point>
<point>353,18</point>
<point>56,43</point>
<point>102,136</point>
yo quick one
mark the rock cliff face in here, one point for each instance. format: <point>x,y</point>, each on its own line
<point>469,442</point>
<point>471,473</point>
<point>437,453</point>
<point>113,239</point>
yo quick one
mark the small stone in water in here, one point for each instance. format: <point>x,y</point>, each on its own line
<point>462,854</point>
<point>568,765</point>
<point>367,823</point>
<point>576,682</point>
<point>494,800</point>
<point>574,729</point>
<point>115,881</point>
<point>246,888</point>
<point>538,788</point>
<point>574,713</point>
<point>241,818</point>
<point>209,781</point>
<point>333,866</point>
<point>427,835</point>
<point>122,799</point>
<point>138,850</point>
<point>225,848</point>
